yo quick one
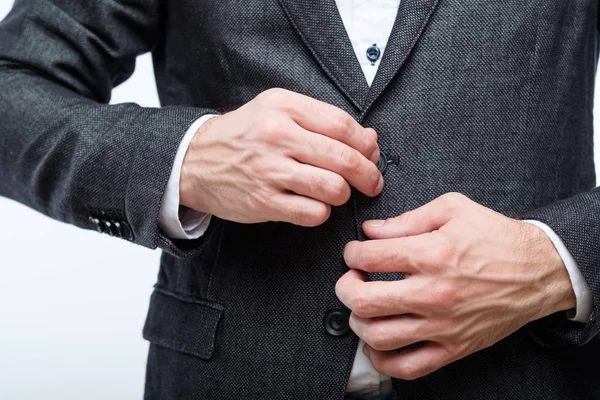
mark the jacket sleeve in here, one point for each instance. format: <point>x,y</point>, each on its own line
<point>576,221</point>
<point>63,150</point>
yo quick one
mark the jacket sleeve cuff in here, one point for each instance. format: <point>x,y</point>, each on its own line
<point>149,173</point>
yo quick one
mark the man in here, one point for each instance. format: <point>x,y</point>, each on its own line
<point>303,180</point>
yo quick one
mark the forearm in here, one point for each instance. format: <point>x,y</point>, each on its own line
<point>72,158</point>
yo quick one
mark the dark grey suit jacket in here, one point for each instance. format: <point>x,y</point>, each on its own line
<point>491,98</point>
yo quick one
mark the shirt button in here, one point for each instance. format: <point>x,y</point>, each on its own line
<point>382,163</point>
<point>373,53</point>
<point>336,322</point>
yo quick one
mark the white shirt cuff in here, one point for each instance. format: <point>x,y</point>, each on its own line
<point>175,221</point>
<point>582,290</point>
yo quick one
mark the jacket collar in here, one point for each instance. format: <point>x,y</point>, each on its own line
<point>321,28</point>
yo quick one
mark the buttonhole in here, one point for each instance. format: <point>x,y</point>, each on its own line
<point>393,160</point>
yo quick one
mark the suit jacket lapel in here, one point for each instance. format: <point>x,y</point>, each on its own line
<point>322,30</point>
<point>411,20</point>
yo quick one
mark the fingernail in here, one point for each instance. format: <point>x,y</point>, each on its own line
<point>366,351</point>
<point>379,185</point>
<point>375,222</point>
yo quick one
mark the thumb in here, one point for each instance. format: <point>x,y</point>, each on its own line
<point>427,218</point>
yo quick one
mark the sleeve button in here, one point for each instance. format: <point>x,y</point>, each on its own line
<point>126,231</point>
<point>117,229</point>
<point>107,228</point>
<point>96,223</point>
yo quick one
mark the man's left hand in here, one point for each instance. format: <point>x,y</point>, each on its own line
<point>473,277</point>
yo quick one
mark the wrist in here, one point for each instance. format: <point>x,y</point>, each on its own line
<point>191,187</point>
<point>557,288</point>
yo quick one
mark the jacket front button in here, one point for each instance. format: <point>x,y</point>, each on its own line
<point>336,322</point>
<point>382,163</point>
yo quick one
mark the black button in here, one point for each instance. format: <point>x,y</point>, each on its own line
<point>120,229</point>
<point>107,228</point>
<point>382,163</point>
<point>117,229</point>
<point>96,223</point>
<point>336,322</point>
<point>373,53</point>
<point>126,231</point>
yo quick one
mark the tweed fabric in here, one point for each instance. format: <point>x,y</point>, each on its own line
<point>63,152</point>
<point>491,99</point>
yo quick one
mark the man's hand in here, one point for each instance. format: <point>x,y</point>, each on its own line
<point>473,277</point>
<point>281,157</point>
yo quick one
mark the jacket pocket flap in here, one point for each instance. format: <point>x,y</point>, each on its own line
<point>182,323</point>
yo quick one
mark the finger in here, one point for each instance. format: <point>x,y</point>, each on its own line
<point>427,218</point>
<point>323,152</point>
<point>298,210</point>
<point>317,183</point>
<point>412,363</point>
<point>331,121</point>
<point>411,254</point>
<point>351,283</point>
<point>391,333</point>
<point>370,299</point>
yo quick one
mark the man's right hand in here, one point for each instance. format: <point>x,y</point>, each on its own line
<point>280,157</point>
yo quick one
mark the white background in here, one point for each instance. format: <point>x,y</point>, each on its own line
<point>68,328</point>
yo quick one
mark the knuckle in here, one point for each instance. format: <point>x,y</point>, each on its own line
<point>272,96</point>
<point>454,197</point>
<point>259,167</point>
<point>318,215</point>
<point>452,331</point>
<point>259,199</point>
<point>443,254</point>
<point>371,141</point>
<point>336,184</point>
<point>372,134</point>
<point>375,336</point>
<point>270,128</point>
<point>314,181</point>
<point>299,215</point>
<point>361,305</point>
<point>453,201</point>
<point>339,189</point>
<point>348,160</point>
<point>443,295</point>
<point>409,372</point>
<point>344,122</point>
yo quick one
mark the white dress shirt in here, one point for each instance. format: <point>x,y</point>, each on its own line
<point>368,23</point>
